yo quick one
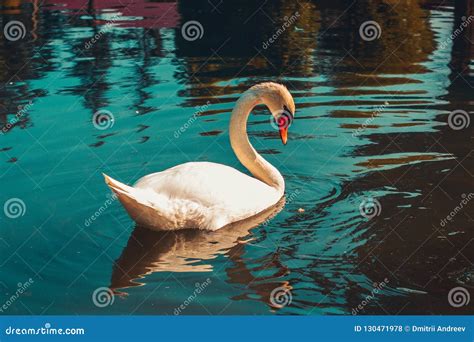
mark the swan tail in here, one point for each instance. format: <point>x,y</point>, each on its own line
<point>136,203</point>
<point>116,185</point>
<point>127,195</point>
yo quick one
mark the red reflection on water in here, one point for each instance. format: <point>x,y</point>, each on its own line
<point>146,14</point>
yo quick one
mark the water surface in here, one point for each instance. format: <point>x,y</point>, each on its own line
<point>371,124</point>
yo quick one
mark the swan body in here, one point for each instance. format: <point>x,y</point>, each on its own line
<point>207,195</point>
<point>215,196</point>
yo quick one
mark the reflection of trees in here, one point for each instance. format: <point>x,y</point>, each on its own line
<point>233,39</point>
<point>93,60</point>
<point>31,57</point>
<point>149,48</point>
<point>460,90</point>
<point>409,240</point>
<point>23,59</point>
<point>324,40</point>
<point>462,80</point>
<point>405,40</point>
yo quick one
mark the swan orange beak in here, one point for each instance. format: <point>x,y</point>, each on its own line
<point>284,134</point>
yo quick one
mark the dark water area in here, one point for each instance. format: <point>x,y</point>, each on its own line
<point>373,130</point>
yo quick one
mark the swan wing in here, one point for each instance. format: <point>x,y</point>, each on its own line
<point>224,194</point>
<point>195,195</point>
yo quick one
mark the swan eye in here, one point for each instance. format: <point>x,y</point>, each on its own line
<point>286,110</point>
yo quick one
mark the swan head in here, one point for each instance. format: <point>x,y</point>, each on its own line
<point>280,103</point>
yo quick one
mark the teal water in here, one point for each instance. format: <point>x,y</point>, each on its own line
<point>371,123</point>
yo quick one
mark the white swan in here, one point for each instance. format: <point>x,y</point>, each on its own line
<point>206,195</point>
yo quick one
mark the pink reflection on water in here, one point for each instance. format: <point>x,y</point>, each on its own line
<point>141,12</point>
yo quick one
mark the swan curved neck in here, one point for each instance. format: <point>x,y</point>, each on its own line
<point>247,155</point>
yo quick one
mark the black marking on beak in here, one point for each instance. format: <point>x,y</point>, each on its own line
<point>291,115</point>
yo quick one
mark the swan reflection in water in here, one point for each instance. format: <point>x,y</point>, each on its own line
<point>187,250</point>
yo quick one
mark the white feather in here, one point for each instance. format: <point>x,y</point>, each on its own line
<point>194,195</point>
<point>206,195</point>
